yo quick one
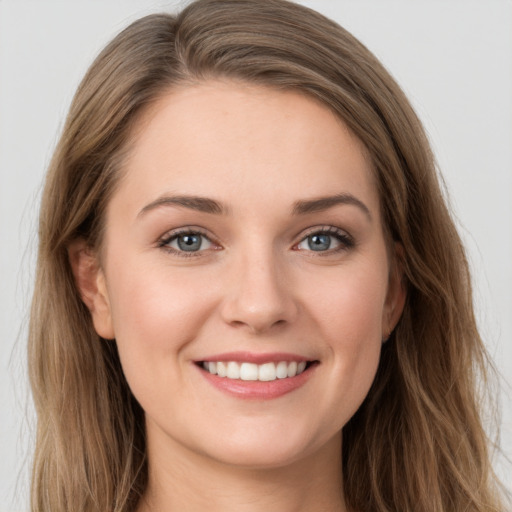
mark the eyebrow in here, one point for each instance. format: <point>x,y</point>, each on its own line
<point>324,203</point>
<point>302,207</point>
<point>201,204</point>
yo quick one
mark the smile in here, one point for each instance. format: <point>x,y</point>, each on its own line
<point>255,372</point>
<point>261,376</point>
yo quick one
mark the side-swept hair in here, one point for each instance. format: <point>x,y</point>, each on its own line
<point>417,442</point>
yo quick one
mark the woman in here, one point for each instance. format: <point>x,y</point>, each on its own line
<point>250,293</point>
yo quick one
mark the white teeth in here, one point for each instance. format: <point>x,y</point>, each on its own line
<point>249,371</point>
<point>233,371</point>
<point>221,369</point>
<point>267,372</point>
<point>282,370</point>
<point>292,369</point>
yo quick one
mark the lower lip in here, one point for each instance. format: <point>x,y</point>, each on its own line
<point>258,390</point>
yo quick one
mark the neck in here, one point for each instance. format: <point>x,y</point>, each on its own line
<point>185,481</point>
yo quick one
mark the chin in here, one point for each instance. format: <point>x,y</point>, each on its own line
<point>253,451</point>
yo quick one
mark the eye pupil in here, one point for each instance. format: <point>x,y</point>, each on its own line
<point>319,242</point>
<point>189,242</point>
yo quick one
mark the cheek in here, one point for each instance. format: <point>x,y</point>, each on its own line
<point>349,316</point>
<point>155,316</point>
<point>153,302</point>
<point>350,306</point>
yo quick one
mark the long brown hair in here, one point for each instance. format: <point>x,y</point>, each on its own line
<point>417,441</point>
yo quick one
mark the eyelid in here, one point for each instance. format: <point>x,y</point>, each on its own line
<point>346,240</point>
<point>172,234</point>
<point>325,228</point>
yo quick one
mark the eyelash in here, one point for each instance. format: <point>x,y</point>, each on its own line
<point>345,240</point>
<point>168,238</point>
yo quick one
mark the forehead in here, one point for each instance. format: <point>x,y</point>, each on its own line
<point>238,142</point>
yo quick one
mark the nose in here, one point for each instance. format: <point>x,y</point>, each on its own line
<point>261,295</point>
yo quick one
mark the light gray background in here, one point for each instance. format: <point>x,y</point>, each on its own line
<point>453,58</point>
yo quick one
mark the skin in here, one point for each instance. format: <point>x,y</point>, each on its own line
<point>255,285</point>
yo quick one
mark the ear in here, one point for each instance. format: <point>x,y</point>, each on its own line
<point>91,284</point>
<point>396,295</point>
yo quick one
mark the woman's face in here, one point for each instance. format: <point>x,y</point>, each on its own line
<point>243,243</point>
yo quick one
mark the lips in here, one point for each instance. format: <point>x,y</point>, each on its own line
<point>257,376</point>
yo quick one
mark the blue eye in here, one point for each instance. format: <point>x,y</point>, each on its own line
<point>330,239</point>
<point>319,242</point>
<point>187,242</point>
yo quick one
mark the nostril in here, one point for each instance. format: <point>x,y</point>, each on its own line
<point>258,325</point>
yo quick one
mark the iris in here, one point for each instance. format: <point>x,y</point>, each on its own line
<point>189,242</point>
<point>319,242</point>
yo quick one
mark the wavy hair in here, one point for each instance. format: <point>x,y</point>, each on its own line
<point>417,442</point>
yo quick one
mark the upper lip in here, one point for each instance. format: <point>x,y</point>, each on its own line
<point>255,358</point>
